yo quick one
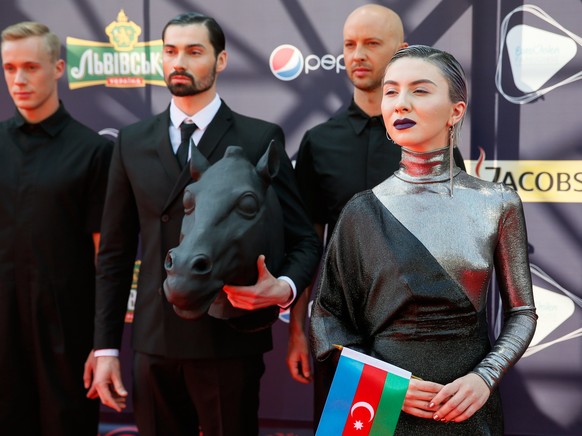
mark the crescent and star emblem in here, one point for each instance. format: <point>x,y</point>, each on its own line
<point>366,406</point>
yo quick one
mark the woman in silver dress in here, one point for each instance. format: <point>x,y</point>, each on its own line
<point>406,274</point>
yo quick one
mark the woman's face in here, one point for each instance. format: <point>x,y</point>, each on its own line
<point>416,106</point>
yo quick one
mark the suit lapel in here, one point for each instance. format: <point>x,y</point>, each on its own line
<point>215,131</point>
<point>182,181</point>
<point>208,144</point>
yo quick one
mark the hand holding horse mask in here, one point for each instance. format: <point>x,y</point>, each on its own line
<point>232,216</point>
<point>268,291</point>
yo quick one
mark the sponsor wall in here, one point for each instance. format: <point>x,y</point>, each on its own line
<point>285,65</point>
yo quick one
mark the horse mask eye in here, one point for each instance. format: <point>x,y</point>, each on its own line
<point>248,205</point>
<point>189,202</point>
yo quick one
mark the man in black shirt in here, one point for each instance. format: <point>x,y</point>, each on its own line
<point>53,172</point>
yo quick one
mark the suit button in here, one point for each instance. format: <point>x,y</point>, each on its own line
<point>165,218</point>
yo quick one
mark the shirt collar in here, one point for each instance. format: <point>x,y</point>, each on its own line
<point>51,125</point>
<point>202,118</point>
<point>358,118</point>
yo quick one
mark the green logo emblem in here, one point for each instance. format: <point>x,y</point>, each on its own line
<point>123,33</point>
<point>123,62</point>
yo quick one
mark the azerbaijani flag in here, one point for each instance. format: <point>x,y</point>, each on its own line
<point>365,397</point>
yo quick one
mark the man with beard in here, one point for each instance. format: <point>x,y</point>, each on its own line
<point>187,373</point>
<point>345,155</point>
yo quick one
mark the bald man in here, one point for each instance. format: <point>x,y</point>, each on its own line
<point>347,154</point>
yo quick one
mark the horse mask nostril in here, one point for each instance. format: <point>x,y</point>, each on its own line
<point>169,263</point>
<point>201,265</point>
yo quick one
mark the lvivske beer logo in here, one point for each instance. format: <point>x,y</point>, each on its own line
<point>123,62</point>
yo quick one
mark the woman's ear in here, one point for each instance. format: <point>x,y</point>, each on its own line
<point>457,113</point>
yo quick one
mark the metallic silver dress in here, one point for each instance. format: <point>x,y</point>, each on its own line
<point>405,279</point>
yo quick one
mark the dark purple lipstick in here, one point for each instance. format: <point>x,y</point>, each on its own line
<point>404,123</point>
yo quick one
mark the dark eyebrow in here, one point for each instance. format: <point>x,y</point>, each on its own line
<point>196,45</point>
<point>416,82</point>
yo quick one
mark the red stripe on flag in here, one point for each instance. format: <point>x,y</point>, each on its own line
<point>365,403</point>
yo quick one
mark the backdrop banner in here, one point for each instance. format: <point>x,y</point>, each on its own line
<point>286,65</point>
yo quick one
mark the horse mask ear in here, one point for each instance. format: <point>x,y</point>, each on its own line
<point>198,163</point>
<point>268,165</point>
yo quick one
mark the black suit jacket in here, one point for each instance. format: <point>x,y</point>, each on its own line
<point>144,199</point>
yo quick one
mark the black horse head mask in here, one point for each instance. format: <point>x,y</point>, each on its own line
<point>232,215</point>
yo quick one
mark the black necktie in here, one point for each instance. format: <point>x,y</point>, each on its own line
<point>186,130</point>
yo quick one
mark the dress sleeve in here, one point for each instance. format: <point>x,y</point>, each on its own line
<point>514,280</point>
<point>340,294</point>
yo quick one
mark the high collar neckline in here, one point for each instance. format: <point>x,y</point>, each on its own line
<point>426,167</point>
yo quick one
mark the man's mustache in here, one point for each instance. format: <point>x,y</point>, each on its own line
<point>181,74</point>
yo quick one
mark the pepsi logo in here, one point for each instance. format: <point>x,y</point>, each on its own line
<point>286,62</point>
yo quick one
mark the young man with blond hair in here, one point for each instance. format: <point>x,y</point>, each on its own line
<point>53,174</point>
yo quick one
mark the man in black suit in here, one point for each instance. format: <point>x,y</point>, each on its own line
<point>187,372</point>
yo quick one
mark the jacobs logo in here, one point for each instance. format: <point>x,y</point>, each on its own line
<point>123,62</point>
<point>545,181</point>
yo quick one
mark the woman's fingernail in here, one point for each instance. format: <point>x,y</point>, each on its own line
<point>431,405</point>
<point>436,417</point>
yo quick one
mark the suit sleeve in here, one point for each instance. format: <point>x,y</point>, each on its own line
<point>97,185</point>
<point>307,181</point>
<point>117,252</point>
<point>302,246</point>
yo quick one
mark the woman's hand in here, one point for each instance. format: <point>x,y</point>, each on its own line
<point>419,396</point>
<point>459,400</point>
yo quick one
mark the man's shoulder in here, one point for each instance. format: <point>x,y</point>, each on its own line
<point>339,119</point>
<point>4,125</point>
<point>83,129</point>
<point>336,126</point>
<point>143,126</point>
<point>251,121</point>
<point>77,133</point>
